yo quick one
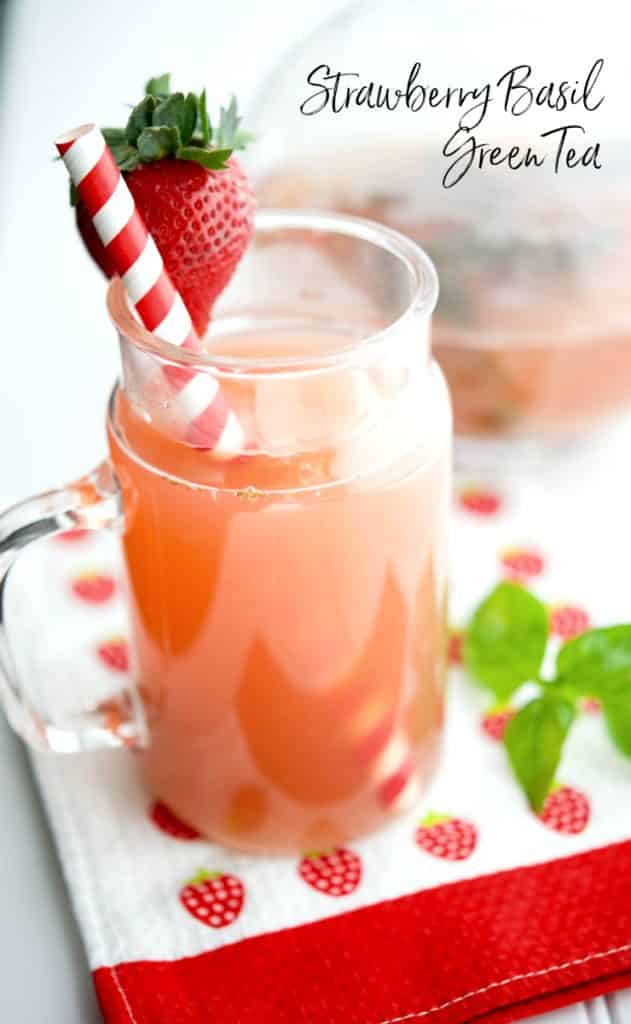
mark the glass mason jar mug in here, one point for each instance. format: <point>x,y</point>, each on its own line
<point>287,605</point>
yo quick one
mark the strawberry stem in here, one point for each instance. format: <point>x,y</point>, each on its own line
<point>434,818</point>
<point>203,876</point>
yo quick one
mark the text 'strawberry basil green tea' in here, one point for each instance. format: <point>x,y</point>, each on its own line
<point>499,141</point>
<point>279,475</point>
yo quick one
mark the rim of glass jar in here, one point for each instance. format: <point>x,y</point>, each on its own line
<point>410,255</point>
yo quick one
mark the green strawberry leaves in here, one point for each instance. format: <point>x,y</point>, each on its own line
<point>157,142</point>
<point>506,640</point>
<point>534,741</point>
<point>171,124</point>
<point>504,648</point>
<point>177,111</point>
<point>203,122</point>
<point>212,159</point>
<point>124,152</point>
<point>115,136</point>
<point>229,134</point>
<point>140,118</point>
<point>159,86</point>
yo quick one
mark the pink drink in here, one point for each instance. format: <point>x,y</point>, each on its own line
<point>288,610</point>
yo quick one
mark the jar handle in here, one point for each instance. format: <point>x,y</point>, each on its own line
<point>93,502</point>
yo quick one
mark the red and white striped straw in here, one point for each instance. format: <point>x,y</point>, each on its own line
<point>210,423</point>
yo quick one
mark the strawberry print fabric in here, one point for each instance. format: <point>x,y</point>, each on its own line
<point>472,908</point>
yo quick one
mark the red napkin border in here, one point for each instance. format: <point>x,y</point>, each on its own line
<point>492,949</point>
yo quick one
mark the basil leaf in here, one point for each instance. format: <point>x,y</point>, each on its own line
<point>534,741</point>
<point>597,663</point>
<point>159,86</point>
<point>506,640</point>
<point>157,142</point>
<point>617,713</point>
<point>212,159</point>
<point>139,119</point>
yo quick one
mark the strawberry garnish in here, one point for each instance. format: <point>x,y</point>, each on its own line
<point>191,191</point>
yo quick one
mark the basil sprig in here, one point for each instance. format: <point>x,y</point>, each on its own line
<point>504,648</point>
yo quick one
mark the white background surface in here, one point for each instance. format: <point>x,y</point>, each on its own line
<point>66,62</point>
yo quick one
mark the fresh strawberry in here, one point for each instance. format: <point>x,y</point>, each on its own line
<point>591,705</point>
<point>446,837</point>
<point>454,646</point>
<point>213,898</point>
<point>69,536</point>
<point>193,194</point>
<point>333,873</point>
<point>494,722</point>
<point>166,821</point>
<point>567,621</point>
<point>566,810</point>
<point>114,653</point>
<point>479,501</point>
<point>520,563</point>
<point>93,587</point>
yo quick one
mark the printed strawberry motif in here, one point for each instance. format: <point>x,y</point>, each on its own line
<point>393,785</point>
<point>446,837</point>
<point>455,646</point>
<point>567,621</point>
<point>93,587</point>
<point>167,822</point>
<point>591,705</point>
<point>522,563</point>
<point>114,652</point>
<point>70,536</point>
<point>189,188</point>
<point>566,810</point>
<point>479,501</point>
<point>212,898</point>
<point>333,873</point>
<point>494,722</point>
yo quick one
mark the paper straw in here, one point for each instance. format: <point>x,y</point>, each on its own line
<point>210,423</point>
